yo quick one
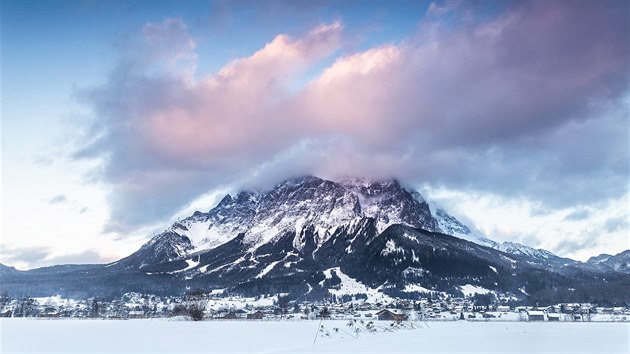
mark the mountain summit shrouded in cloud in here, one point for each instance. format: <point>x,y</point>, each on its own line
<point>307,234</point>
<point>520,101</point>
<point>513,107</point>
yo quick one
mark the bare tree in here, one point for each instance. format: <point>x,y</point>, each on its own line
<point>283,304</point>
<point>94,309</point>
<point>196,302</point>
<point>27,307</point>
<point>4,298</point>
<point>324,313</point>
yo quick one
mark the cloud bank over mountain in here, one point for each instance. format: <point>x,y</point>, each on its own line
<point>529,101</point>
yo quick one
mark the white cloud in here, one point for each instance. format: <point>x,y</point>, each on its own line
<point>519,220</point>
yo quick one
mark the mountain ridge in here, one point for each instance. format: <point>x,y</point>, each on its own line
<point>365,199</point>
<point>288,238</point>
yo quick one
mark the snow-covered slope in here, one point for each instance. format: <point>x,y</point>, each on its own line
<point>232,216</point>
<point>517,248</point>
<point>348,286</point>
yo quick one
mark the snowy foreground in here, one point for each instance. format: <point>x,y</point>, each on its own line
<point>164,336</point>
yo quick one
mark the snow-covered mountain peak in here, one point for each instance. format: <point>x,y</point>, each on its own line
<point>369,186</point>
<point>313,208</point>
<point>299,202</point>
<point>389,203</point>
<point>450,225</point>
<point>230,217</point>
<point>305,201</point>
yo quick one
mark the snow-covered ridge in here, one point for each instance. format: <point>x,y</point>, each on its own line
<point>602,258</point>
<point>449,225</point>
<point>619,262</point>
<point>303,202</point>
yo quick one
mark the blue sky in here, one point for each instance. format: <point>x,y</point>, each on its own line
<point>120,116</point>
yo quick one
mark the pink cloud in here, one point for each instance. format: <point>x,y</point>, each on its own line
<point>229,112</point>
<point>470,105</point>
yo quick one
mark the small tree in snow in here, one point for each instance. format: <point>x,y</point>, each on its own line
<point>196,302</point>
<point>324,313</point>
<point>94,310</point>
<point>283,304</point>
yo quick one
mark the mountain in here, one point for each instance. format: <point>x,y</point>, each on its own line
<point>7,270</point>
<point>618,263</point>
<point>449,225</point>
<point>602,258</point>
<point>312,201</point>
<point>293,205</point>
<point>309,237</point>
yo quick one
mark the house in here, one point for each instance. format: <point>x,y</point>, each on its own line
<point>534,315</point>
<point>503,308</point>
<point>404,304</point>
<point>400,317</point>
<point>258,315</point>
<point>136,314</point>
<point>387,315</point>
<point>49,312</point>
<point>553,317</point>
<point>230,316</point>
<point>80,313</point>
<point>587,309</point>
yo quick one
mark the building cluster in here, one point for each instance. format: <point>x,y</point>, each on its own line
<point>217,306</point>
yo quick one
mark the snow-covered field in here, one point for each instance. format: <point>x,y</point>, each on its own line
<point>164,336</point>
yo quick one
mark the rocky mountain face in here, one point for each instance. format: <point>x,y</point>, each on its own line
<point>307,235</point>
<point>296,205</point>
<point>323,205</point>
